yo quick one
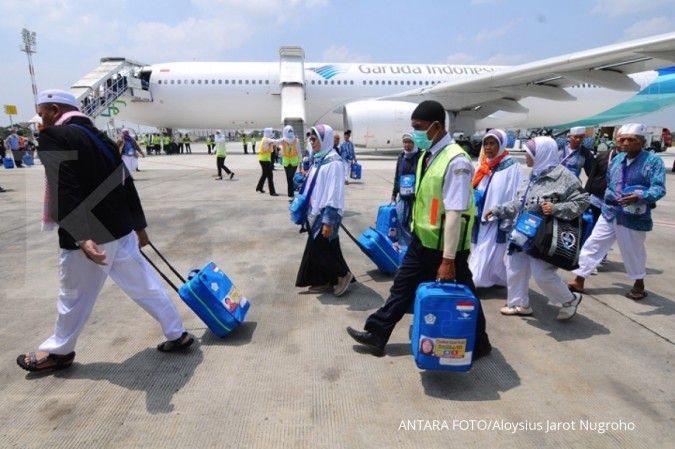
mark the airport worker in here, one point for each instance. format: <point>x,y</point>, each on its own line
<point>245,143</point>
<point>406,166</point>
<point>265,159</point>
<point>166,143</point>
<point>347,153</point>
<point>181,146</point>
<point>323,267</point>
<point>495,182</point>
<point>186,143</point>
<point>99,234</point>
<point>290,158</point>
<point>575,156</point>
<point>551,190</point>
<point>210,142</point>
<point>221,154</point>
<point>636,180</point>
<point>129,150</point>
<point>157,143</point>
<point>253,144</point>
<point>442,216</point>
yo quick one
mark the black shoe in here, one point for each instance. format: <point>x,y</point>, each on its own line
<point>260,190</point>
<point>231,175</point>
<point>482,350</point>
<point>374,344</point>
<point>218,178</point>
<point>274,194</point>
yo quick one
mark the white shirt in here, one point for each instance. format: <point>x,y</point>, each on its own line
<point>329,189</point>
<point>458,176</point>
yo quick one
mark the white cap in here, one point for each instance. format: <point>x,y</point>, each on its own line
<point>219,132</point>
<point>577,130</point>
<point>636,129</point>
<point>57,96</point>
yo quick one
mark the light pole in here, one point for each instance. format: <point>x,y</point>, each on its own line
<point>28,47</point>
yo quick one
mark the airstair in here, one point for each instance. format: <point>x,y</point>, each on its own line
<point>99,92</point>
<point>292,86</point>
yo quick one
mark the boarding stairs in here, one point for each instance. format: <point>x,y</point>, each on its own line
<point>292,87</point>
<point>99,92</point>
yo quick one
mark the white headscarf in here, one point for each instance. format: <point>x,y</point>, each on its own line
<point>325,134</point>
<point>269,133</point>
<point>544,151</point>
<point>501,137</point>
<point>289,135</point>
<point>409,154</point>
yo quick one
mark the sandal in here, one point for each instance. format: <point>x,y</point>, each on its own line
<point>179,344</point>
<point>573,288</point>
<point>636,295</point>
<point>47,363</point>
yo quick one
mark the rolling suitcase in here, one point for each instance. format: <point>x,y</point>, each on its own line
<point>355,171</point>
<point>211,295</point>
<point>387,221</point>
<point>444,326</point>
<point>8,161</point>
<point>380,250</point>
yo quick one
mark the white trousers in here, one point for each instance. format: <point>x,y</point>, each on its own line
<point>82,280</point>
<point>631,244</point>
<point>519,267</point>
<point>348,169</point>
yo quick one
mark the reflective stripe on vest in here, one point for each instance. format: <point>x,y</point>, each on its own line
<point>429,211</point>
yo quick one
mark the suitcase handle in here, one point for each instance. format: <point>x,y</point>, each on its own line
<point>160,271</point>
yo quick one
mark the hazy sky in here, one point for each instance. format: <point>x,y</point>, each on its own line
<point>72,35</point>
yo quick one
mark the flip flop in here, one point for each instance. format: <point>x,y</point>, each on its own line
<point>179,344</point>
<point>48,363</point>
<point>636,295</point>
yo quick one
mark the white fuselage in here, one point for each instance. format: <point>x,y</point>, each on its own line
<point>246,95</point>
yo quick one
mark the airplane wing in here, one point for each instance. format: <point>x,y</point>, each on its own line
<point>500,91</point>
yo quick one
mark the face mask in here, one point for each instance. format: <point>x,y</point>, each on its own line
<point>421,140</point>
<point>291,136</point>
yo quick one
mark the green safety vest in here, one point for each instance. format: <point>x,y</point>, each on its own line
<point>221,149</point>
<point>289,154</point>
<point>429,211</point>
<point>155,140</point>
<point>166,140</point>
<point>265,156</point>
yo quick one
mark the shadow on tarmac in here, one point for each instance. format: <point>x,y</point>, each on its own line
<point>160,375</point>
<point>489,376</point>
<point>358,298</point>
<point>240,336</point>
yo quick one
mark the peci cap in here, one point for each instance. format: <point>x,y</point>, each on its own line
<point>57,96</point>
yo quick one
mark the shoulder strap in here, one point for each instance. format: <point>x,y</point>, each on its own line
<point>98,142</point>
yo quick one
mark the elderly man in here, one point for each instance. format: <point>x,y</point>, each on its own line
<point>575,156</point>
<point>91,196</point>
<point>442,218</point>
<point>635,182</point>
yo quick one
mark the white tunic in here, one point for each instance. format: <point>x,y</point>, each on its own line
<point>487,256</point>
<point>330,185</point>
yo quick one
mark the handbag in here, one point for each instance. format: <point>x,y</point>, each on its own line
<point>299,207</point>
<point>557,242</point>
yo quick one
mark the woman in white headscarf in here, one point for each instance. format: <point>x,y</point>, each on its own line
<point>290,157</point>
<point>550,190</point>
<point>495,182</point>
<point>323,268</point>
<point>403,194</point>
<point>265,158</point>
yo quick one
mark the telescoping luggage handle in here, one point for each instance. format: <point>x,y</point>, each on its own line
<point>160,271</point>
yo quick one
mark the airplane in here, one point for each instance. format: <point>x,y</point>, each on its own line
<point>592,87</point>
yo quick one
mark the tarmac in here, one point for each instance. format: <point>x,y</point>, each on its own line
<point>291,377</point>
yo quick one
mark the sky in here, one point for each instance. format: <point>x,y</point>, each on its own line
<point>72,35</point>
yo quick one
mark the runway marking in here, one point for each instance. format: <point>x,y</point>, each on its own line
<point>668,224</point>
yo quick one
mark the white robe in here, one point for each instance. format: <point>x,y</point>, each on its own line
<point>487,256</point>
<point>330,186</point>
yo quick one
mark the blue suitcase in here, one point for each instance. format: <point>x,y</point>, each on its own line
<point>444,326</point>
<point>387,221</point>
<point>355,171</point>
<point>212,296</point>
<point>380,250</point>
<point>8,161</point>
<point>587,225</point>
<point>28,159</point>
